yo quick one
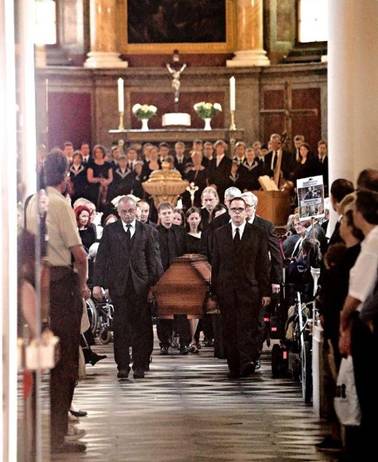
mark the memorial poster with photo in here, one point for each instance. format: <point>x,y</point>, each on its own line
<point>310,193</point>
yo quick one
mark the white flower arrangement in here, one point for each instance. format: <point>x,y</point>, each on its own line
<point>144,111</point>
<point>207,110</point>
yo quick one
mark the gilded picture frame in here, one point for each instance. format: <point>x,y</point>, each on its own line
<point>164,48</point>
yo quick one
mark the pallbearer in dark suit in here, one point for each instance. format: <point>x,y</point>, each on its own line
<point>172,245</point>
<point>275,255</point>
<point>240,281</point>
<point>128,264</point>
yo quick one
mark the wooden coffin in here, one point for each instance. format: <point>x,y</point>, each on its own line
<point>183,287</point>
<point>273,206</point>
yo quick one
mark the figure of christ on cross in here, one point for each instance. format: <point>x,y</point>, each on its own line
<point>176,69</point>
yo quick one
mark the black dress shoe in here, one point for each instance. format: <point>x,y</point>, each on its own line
<point>248,370</point>
<point>78,413</point>
<point>139,373</point>
<point>95,358</point>
<point>258,365</point>
<point>123,373</point>
<point>68,448</point>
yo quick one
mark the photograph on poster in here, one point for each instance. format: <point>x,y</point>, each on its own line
<point>310,193</point>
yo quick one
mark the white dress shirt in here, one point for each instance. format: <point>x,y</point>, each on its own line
<point>363,275</point>
<point>241,230</point>
<point>132,227</point>
<point>276,154</point>
<point>219,159</point>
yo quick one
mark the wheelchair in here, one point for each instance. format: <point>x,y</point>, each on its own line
<point>101,314</point>
<point>292,357</point>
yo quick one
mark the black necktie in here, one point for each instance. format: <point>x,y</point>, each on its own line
<point>128,233</point>
<point>237,238</point>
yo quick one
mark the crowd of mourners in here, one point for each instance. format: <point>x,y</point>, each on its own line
<point>100,216</point>
<point>102,175</point>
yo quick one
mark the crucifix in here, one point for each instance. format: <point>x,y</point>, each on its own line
<point>288,111</point>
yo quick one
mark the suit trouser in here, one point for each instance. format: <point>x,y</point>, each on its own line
<point>240,315</point>
<point>65,318</point>
<point>132,326</point>
<point>165,330</point>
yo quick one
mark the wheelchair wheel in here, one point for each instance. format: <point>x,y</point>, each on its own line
<point>92,315</point>
<point>306,372</point>
<point>105,336</point>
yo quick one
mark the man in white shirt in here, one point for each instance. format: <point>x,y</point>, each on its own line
<point>363,274</point>
<point>359,338</point>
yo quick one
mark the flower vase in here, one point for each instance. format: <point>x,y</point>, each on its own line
<point>144,126</point>
<point>207,125</point>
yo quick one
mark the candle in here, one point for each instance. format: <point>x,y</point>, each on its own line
<point>121,98</point>
<point>232,94</point>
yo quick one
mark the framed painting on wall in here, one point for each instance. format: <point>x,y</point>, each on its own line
<point>192,26</point>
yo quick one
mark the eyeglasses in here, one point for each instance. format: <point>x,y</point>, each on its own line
<point>237,209</point>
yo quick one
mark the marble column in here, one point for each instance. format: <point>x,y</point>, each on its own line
<point>249,42</point>
<point>103,33</point>
<point>352,87</point>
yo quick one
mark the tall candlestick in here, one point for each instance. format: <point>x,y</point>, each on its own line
<point>121,97</point>
<point>232,94</point>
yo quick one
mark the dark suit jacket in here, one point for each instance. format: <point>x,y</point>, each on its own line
<point>246,270</point>
<point>116,261</point>
<point>186,162</point>
<point>207,238</point>
<point>219,175</point>
<point>287,164</point>
<point>273,247</point>
<point>176,235</point>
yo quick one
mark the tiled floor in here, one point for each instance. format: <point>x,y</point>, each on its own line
<point>186,410</point>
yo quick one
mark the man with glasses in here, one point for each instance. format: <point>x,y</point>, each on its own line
<point>128,264</point>
<point>241,283</point>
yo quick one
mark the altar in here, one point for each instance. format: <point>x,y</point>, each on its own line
<point>171,135</point>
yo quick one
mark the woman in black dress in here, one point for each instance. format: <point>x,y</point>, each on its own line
<point>250,171</point>
<point>99,177</point>
<point>87,230</point>
<point>196,173</point>
<point>193,245</point>
<point>306,166</point>
<point>78,177</point>
<point>151,164</point>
